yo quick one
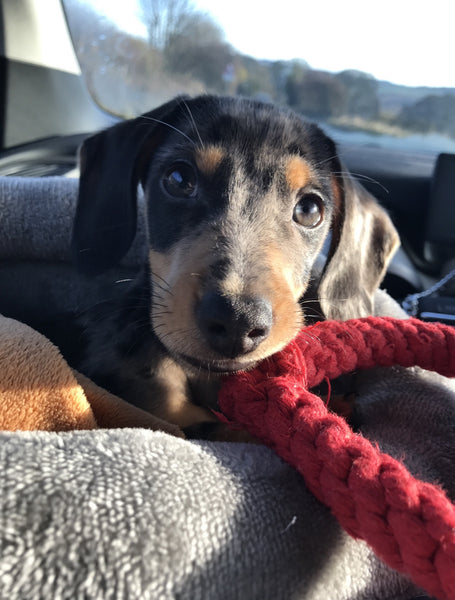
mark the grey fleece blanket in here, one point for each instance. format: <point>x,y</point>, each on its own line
<point>141,515</point>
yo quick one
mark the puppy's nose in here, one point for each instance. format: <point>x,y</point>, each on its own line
<point>233,326</point>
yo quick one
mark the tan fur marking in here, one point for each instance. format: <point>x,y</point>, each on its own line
<point>338,212</point>
<point>297,173</point>
<point>176,408</point>
<point>208,159</point>
<point>173,316</point>
<point>233,285</point>
<point>174,311</point>
<point>285,295</point>
<point>337,193</point>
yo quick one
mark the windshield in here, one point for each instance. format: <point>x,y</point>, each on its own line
<point>371,74</point>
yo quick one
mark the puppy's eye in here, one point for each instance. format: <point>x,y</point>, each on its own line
<point>309,210</point>
<point>180,181</point>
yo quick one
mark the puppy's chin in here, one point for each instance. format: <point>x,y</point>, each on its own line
<point>204,362</point>
<point>214,368</point>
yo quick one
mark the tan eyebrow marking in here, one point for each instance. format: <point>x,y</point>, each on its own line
<point>208,159</point>
<point>297,173</point>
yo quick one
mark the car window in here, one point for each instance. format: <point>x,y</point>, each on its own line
<point>378,76</point>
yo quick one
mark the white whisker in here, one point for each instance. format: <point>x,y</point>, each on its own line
<point>170,127</point>
<point>193,122</point>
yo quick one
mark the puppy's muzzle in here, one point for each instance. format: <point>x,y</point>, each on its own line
<point>235,326</point>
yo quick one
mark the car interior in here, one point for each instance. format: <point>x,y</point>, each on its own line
<point>50,103</point>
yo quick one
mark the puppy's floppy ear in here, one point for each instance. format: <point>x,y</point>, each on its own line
<point>111,165</point>
<point>363,242</point>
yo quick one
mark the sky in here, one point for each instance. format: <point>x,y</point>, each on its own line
<point>404,41</point>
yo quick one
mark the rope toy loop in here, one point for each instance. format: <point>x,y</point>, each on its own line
<point>410,524</point>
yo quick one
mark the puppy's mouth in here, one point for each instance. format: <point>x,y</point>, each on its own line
<point>216,367</point>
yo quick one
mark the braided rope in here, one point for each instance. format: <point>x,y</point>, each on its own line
<point>410,524</point>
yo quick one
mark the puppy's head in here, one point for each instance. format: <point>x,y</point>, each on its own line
<point>241,197</point>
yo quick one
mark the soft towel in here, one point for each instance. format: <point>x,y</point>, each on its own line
<point>132,513</point>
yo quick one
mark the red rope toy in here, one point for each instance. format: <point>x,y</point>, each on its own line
<point>408,523</point>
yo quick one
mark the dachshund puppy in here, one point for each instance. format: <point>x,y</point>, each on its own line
<point>240,199</point>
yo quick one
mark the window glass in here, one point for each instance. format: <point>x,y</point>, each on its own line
<point>379,75</point>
